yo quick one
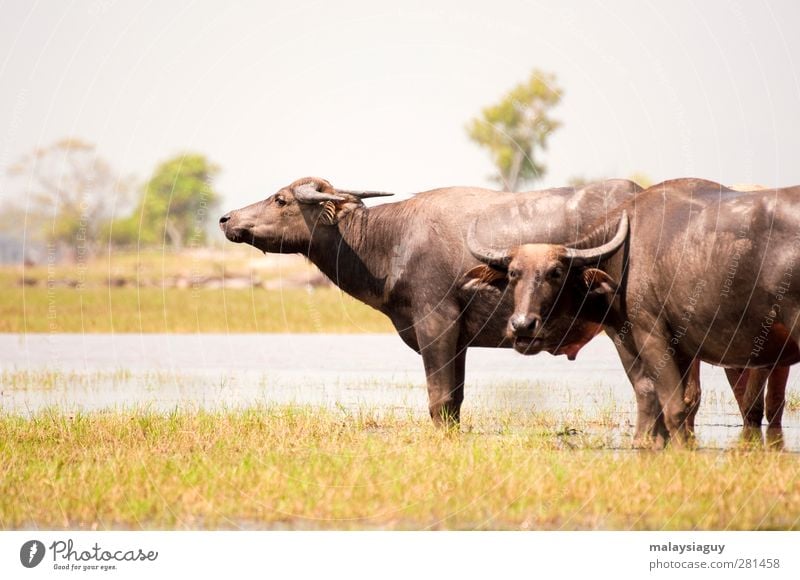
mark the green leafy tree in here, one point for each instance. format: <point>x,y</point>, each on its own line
<point>176,205</point>
<point>71,193</point>
<point>516,129</point>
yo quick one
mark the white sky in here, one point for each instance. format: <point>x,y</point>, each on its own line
<point>376,94</point>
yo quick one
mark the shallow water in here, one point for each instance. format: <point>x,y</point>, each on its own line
<point>171,371</point>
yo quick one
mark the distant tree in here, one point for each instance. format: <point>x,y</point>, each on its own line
<point>175,205</point>
<point>71,192</point>
<point>516,129</point>
<point>15,223</point>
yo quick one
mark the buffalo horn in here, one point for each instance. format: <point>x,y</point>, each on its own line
<point>600,253</point>
<point>307,193</point>
<point>364,194</point>
<point>495,258</point>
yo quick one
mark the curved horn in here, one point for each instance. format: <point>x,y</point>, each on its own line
<point>600,253</point>
<point>496,258</point>
<point>364,194</point>
<point>307,193</point>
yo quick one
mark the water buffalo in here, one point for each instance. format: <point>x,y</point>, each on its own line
<point>406,259</point>
<point>759,392</point>
<point>688,269</point>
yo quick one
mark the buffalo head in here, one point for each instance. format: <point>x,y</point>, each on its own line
<point>553,285</point>
<point>286,221</point>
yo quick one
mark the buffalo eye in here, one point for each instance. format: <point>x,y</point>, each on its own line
<point>280,200</point>
<point>555,274</point>
<point>513,276</point>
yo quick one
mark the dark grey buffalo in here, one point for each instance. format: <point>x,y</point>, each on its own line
<point>686,270</point>
<point>407,258</point>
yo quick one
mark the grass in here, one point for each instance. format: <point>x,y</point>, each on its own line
<point>180,310</point>
<point>77,381</point>
<point>279,467</point>
<point>50,379</point>
<point>154,267</point>
<point>287,467</point>
<point>128,292</point>
<point>793,401</point>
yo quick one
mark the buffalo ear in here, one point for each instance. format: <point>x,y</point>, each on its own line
<point>333,211</point>
<point>599,282</point>
<point>483,275</point>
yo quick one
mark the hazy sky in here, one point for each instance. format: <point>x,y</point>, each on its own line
<point>376,94</point>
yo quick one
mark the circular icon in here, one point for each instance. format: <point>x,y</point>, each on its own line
<point>31,553</point>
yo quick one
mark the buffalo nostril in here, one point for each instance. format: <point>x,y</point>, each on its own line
<point>518,322</point>
<point>224,218</point>
<point>533,324</point>
<point>522,323</point>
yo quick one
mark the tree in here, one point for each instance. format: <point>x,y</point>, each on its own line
<point>72,191</point>
<point>175,204</point>
<point>517,127</point>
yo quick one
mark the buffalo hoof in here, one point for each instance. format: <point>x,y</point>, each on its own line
<point>446,418</point>
<point>752,436</point>
<point>649,443</point>
<point>774,439</point>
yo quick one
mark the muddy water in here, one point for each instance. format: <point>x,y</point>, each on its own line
<point>375,371</point>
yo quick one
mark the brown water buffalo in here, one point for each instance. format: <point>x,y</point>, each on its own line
<point>688,269</point>
<point>759,392</point>
<point>406,259</point>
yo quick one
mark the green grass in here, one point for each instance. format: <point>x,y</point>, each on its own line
<point>46,379</point>
<point>129,292</point>
<point>283,467</point>
<point>185,310</point>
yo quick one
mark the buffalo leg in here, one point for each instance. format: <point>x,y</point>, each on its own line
<point>444,369</point>
<point>738,381</point>
<point>748,388</point>
<point>693,394</point>
<point>662,369</point>
<point>460,365</point>
<point>650,429</point>
<point>774,439</point>
<point>752,436</point>
<point>671,381</point>
<point>754,396</point>
<point>776,396</point>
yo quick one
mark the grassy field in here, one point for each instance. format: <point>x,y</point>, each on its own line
<point>301,468</point>
<point>185,310</point>
<point>148,267</point>
<point>281,467</point>
<point>137,293</point>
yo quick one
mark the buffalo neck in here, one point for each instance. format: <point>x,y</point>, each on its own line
<point>353,254</point>
<point>608,309</point>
